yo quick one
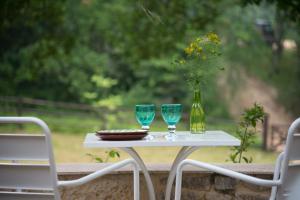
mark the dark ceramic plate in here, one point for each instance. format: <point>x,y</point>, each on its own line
<point>118,137</point>
<point>126,134</point>
<point>122,132</point>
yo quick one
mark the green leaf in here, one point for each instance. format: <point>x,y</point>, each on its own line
<point>98,159</point>
<point>250,160</point>
<point>94,157</point>
<point>245,159</point>
<point>112,154</point>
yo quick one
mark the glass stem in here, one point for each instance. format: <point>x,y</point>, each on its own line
<point>146,128</point>
<point>171,129</point>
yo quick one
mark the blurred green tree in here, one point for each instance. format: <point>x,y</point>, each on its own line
<point>87,51</point>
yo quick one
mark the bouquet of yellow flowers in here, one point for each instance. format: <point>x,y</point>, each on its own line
<point>197,63</point>
<point>199,58</point>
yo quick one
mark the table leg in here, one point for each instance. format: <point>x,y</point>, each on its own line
<point>182,154</point>
<point>173,168</point>
<point>143,167</point>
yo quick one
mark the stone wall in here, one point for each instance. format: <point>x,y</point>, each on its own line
<point>197,184</point>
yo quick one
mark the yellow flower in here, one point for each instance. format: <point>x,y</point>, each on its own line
<point>199,49</point>
<point>198,46</point>
<point>213,38</point>
<point>189,50</point>
<point>198,39</point>
<point>193,45</point>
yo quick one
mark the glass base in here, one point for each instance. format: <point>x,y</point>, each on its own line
<point>171,136</point>
<point>146,128</point>
<point>149,137</point>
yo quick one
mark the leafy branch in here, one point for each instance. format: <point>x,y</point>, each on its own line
<point>246,133</point>
<point>109,154</point>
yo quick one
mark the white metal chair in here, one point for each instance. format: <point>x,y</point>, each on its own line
<point>21,178</point>
<point>286,180</point>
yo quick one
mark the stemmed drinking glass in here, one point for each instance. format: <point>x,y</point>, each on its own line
<point>145,114</point>
<point>171,114</point>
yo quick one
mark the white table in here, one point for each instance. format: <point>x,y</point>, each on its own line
<point>189,143</point>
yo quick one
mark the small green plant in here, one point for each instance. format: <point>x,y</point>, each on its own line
<point>246,133</point>
<point>109,154</point>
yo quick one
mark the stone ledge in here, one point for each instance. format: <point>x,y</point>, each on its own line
<point>197,183</point>
<point>86,168</point>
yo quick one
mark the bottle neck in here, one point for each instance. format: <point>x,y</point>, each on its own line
<point>197,96</point>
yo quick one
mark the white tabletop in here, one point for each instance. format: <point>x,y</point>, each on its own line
<point>184,138</point>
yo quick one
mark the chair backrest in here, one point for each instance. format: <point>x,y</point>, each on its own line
<point>27,167</point>
<point>290,170</point>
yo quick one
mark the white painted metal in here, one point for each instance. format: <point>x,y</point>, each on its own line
<point>182,154</point>
<point>37,176</point>
<point>26,196</point>
<point>94,175</point>
<point>47,134</point>
<point>290,173</point>
<point>184,138</point>
<point>15,147</point>
<point>25,176</point>
<point>286,179</point>
<point>172,172</point>
<point>276,174</point>
<point>142,166</point>
<point>105,171</point>
<point>189,142</point>
<point>294,152</point>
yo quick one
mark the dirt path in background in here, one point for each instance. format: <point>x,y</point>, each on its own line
<point>250,90</point>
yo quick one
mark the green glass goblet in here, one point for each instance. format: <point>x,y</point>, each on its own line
<point>171,114</point>
<point>145,114</point>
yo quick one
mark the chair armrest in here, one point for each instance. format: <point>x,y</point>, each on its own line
<point>278,166</point>
<point>98,174</point>
<point>276,176</point>
<point>230,173</point>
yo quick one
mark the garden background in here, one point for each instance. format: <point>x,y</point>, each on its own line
<point>82,65</point>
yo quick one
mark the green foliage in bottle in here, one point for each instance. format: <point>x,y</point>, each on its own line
<point>200,59</point>
<point>197,116</point>
<point>199,63</point>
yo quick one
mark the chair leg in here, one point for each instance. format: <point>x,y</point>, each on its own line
<point>178,183</point>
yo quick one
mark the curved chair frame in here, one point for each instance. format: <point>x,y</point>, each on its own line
<point>9,179</point>
<point>286,173</point>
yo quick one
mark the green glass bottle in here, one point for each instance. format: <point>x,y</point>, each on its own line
<point>197,115</point>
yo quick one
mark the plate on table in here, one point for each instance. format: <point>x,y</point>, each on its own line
<point>125,134</point>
